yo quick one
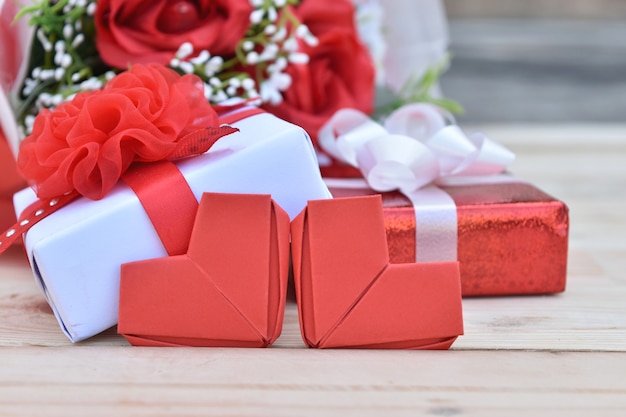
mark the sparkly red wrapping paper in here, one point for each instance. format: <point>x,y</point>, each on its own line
<point>512,238</point>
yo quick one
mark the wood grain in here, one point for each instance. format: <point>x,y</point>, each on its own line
<point>546,355</point>
<point>145,381</point>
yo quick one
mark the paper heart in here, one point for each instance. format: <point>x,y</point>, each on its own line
<point>348,293</point>
<point>228,290</point>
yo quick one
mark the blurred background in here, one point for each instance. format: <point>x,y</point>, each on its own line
<point>537,61</point>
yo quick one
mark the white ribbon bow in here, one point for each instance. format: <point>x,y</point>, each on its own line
<point>413,149</point>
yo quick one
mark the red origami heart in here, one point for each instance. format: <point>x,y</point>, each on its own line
<point>350,296</point>
<point>228,290</point>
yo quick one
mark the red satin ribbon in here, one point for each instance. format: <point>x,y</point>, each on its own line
<point>236,116</point>
<point>37,211</point>
<point>168,201</point>
<point>160,187</point>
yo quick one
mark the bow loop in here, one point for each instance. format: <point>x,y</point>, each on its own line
<point>397,162</point>
<point>490,157</point>
<point>346,132</point>
<point>413,149</point>
<point>418,120</point>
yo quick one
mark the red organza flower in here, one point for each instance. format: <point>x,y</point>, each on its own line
<point>151,31</point>
<point>340,72</point>
<point>145,114</point>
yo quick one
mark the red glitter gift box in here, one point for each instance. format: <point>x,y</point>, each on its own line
<point>512,237</point>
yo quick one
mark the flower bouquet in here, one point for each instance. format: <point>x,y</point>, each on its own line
<point>302,60</point>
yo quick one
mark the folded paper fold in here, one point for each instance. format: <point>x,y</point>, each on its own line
<point>228,290</point>
<point>348,293</point>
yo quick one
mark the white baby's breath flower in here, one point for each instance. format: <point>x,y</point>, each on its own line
<point>302,31</point>
<point>46,74</point>
<point>278,66</point>
<point>29,86</point>
<point>91,9</point>
<point>91,84</point>
<point>215,82</point>
<point>247,46</point>
<point>298,58</point>
<point>208,91</point>
<point>68,31</point>
<point>252,58</point>
<point>45,43</point>
<point>56,99</point>
<point>29,122</point>
<point>202,58</point>
<point>184,50</point>
<point>270,94</point>
<point>45,99</point>
<point>272,14</point>
<point>58,57</point>
<point>219,96</point>
<point>248,84</point>
<point>213,66</point>
<point>79,39</point>
<point>280,35</point>
<point>281,80</point>
<point>290,45</point>
<point>269,53</point>
<point>281,63</point>
<point>256,16</point>
<point>186,67</point>
<point>231,91</point>
<point>311,40</point>
<point>66,60</point>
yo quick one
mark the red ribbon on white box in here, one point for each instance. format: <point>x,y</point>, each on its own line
<point>413,152</point>
<point>149,183</point>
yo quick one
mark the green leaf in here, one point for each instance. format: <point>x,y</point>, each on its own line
<point>416,90</point>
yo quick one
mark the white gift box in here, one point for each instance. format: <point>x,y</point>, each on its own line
<point>77,251</point>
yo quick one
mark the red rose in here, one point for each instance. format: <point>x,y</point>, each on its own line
<point>144,114</point>
<point>340,72</point>
<point>151,31</point>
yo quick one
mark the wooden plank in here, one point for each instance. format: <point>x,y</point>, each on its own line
<point>144,381</point>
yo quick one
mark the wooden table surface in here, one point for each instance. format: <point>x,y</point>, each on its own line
<point>538,355</point>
